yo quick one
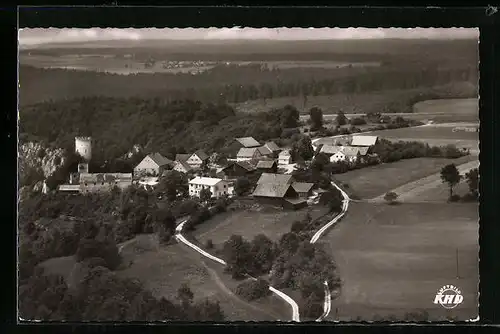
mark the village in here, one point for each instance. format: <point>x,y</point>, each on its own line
<point>267,163</point>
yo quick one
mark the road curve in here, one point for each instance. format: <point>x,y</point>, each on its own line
<point>345,204</point>
<point>181,238</point>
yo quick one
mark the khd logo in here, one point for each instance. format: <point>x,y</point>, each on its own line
<point>449,297</point>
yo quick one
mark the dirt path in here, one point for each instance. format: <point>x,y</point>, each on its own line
<point>411,190</point>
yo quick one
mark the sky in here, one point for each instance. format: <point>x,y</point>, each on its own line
<point>37,36</point>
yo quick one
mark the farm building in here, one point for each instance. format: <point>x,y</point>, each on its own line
<point>236,169</point>
<point>364,141</point>
<point>247,142</point>
<point>343,153</point>
<point>267,166</point>
<point>182,157</point>
<point>303,189</point>
<point>246,154</point>
<point>264,151</point>
<point>277,189</point>
<point>196,159</point>
<point>182,166</point>
<point>331,141</point>
<point>218,187</point>
<point>153,164</point>
<point>285,158</point>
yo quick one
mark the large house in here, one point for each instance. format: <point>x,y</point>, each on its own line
<point>235,169</point>
<point>247,142</point>
<point>152,165</point>
<point>343,153</point>
<point>217,187</point>
<point>246,154</point>
<point>364,141</point>
<point>196,159</point>
<point>278,189</point>
<point>182,166</point>
<point>285,158</point>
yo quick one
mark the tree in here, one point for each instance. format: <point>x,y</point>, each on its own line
<point>341,119</point>
<point>91,248</point>
<point>391,197</point>
<point>171,184</point>
<point>236,251</point>
<point>473,181</point>
<point>185,295</point>
<point>205,194</point>
<point>289,117</point>
<point>241,186</point>
<point>263,254</point>
<point>316,117</point>
<point>450,175</point>
<point>164,218</point>
<point>303,149</point>
<point>333,199</point>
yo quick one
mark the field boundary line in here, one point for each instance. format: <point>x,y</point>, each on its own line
<point>285,297</point>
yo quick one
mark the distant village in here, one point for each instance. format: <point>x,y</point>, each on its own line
<point>272,164</point>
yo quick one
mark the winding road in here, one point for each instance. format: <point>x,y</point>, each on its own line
<point>286,298</point>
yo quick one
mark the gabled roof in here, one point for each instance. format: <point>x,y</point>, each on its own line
<point>201,154</point>
<point>159,159</point>
<point>275,178</point>
<point>266,164</point>
<point>353,151</point>
<point>330,149</point>
<point>332,141</point>
<point>184,164</point>
<point>207,181</point>
<point>364,140</point>
<point>271,190</point>
<point>248,141</point>
<point>264,150</point>
<point>272,146</point>
<point>243,164</point>
<point>182,157</point>
<point>302,187</point>
<point>245,152</point>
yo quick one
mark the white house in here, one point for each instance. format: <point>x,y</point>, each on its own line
<point>285,158</point>
<point>245,154</point>
<point>348,153</point>
<point>197,158</point>
<point>153,164</point>
<point>218,187</point>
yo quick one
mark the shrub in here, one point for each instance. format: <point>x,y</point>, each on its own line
<point>470,197</point>
<point>209,244</point>
<point>454,198</point>
<point>297,226</point>
<point>391,197</point>
<point>358,121</point>
<point>253,289</point>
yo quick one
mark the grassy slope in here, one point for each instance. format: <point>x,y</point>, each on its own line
<point>393,259</point>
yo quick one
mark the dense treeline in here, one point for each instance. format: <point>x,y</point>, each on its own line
<point>255,50</point>
<point>116,125</point>
<point>235,84</point>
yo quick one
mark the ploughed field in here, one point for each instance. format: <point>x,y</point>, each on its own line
<point>394,258</point>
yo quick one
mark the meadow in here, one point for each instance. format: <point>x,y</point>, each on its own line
<point>394,258</point>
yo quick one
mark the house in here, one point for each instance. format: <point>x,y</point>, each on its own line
<point>153,164</point>
<point>182,166</point>
<point>364,141</point>
<point>236,169</point>
<point>285,158</point>
<point>348,153</point>
<point>97,182</point>
<point>217,187</point>
<point>247,142</point>
<point>182,157</point>
<point>267,166</point>
<point>264,151</point>
<point>245,154</point>
<point>277,189</point>
<point>270,145</point>
<point>331,141</point>
<point>303,189</point>
<point>196,159</point>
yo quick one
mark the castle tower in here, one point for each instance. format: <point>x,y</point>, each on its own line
<point>83,146</point>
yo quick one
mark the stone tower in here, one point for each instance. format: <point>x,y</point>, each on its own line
<point>83,147</point>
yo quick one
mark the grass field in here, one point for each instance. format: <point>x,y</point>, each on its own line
<point>394,259</point>
<point>451,132</point>
<point>440,193</point>
<point>377,180</point>
<point>249,223</point>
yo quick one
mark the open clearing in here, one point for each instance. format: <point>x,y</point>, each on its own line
<point>394,258</point>
<point>376,180</point>
<point>453,132</point>
<point>273,222</point>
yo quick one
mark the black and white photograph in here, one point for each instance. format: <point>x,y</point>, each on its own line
<point>248,174</point>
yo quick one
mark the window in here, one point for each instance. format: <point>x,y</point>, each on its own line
<point>225,186</point>
<point>85,184</point>
<point>102,183</point>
